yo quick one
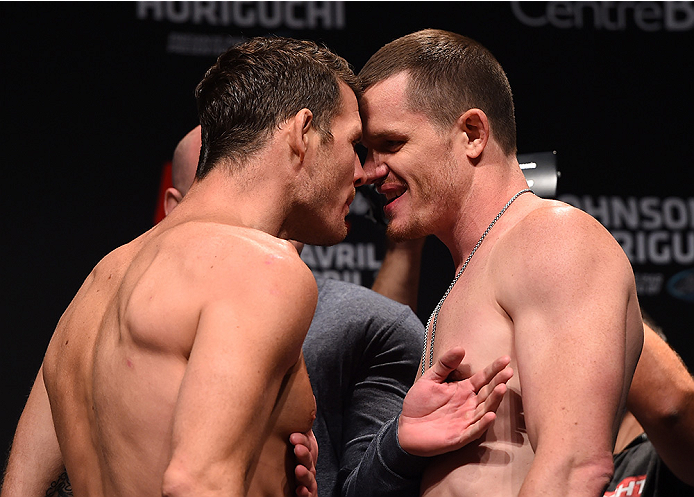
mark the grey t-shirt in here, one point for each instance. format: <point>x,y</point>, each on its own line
<point>362,352</point>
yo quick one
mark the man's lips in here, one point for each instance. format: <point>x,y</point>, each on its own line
<point>349,201</point>
<point>391,191</point>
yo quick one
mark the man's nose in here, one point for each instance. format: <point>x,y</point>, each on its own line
<point>360,177</point>
<point>374,168</point>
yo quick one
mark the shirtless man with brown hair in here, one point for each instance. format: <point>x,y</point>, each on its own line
<point>177,368</point>
<point>536,279</point>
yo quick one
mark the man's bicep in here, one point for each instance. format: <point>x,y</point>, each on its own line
<point>243,349</point>
<point>570,339</point>
<point>571,389</point>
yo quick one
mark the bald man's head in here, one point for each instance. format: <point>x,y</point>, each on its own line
<point>183,167</point>
<point>185,160</point>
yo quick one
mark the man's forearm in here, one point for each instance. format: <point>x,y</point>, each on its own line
<point>662,400</point>
<point>60,487</point>
<point>398,278</point>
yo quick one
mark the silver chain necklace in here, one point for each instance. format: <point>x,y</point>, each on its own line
<point>435,315</point>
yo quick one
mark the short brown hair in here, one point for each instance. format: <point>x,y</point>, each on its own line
<point>258,84</point>
<point>449,74</point>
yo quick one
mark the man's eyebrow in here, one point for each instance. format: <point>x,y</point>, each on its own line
<point>384,133</point>
<point>378,134</point>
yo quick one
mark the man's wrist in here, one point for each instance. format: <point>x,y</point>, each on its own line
<point>394,457</point>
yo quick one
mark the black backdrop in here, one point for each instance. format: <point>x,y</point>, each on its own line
<point>96,95</point>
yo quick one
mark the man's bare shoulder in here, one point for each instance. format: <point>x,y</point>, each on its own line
<point>212,274</point>
<point>194,266</point>
<point>553,243</point>
<point>557,226</point>
<point>161,283</point>
<point>221,247</point>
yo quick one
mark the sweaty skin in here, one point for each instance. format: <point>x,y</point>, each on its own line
<point>160,349</point>
<point>498,314</point>
<point>177,368</point>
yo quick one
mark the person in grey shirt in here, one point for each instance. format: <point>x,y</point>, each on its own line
<point>362,353</point>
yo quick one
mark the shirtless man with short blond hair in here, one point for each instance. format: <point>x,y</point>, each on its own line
<point>536,279</point>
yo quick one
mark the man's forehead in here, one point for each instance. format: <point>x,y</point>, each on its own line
<point>384,105</point>
<point>389,92</point>
<point>350,108</point>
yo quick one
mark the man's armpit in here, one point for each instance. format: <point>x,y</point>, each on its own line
<point>60,487</point>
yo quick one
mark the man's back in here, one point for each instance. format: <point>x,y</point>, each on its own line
<point>177,370</point>
<point>500,307</point>
<point>162,344</point>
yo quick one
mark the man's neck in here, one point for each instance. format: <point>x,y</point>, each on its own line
<point>224,198</point>
<point>480,205</point>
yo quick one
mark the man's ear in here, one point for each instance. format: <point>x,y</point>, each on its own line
<point>298,128</point>
<point>172,197</point>
<point>474,126</point>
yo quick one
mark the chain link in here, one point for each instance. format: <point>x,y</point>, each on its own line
<point>435,315</point>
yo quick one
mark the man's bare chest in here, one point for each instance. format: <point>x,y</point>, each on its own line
<point>472,318</point>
